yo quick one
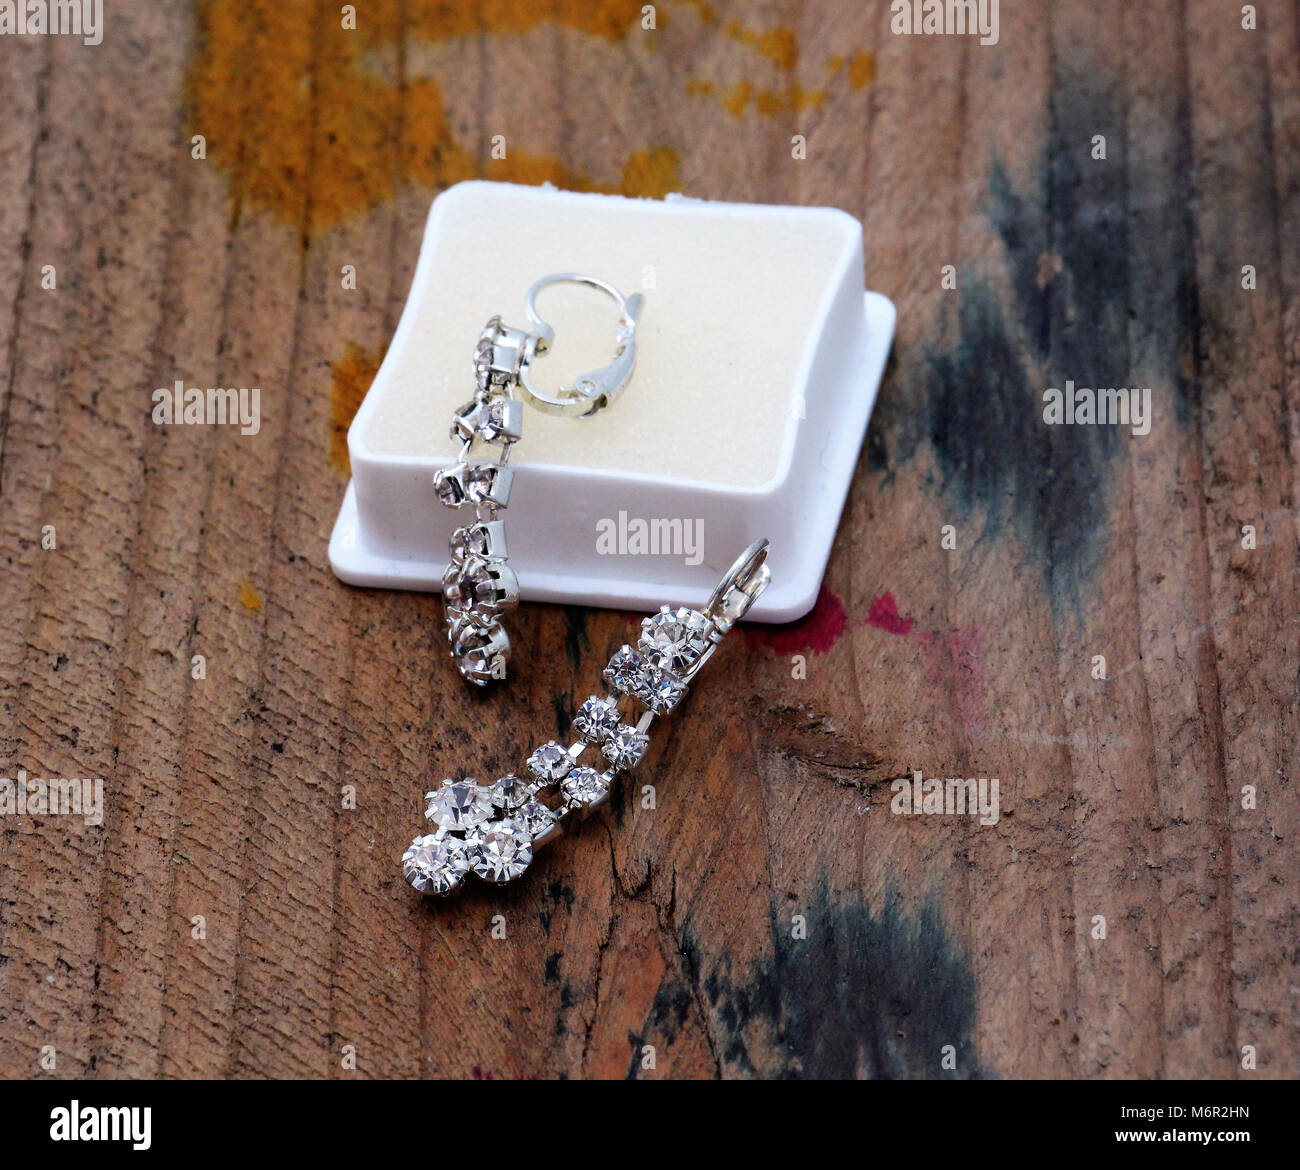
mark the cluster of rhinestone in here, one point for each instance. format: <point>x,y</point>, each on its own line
<point>479,586</point>
<point>492,830</point>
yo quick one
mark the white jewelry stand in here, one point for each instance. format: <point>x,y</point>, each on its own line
<point>757,366</point>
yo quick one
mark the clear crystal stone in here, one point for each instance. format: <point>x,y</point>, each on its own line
<point>626,746</point>
<point>477,590</point>
<point>448,486</point>
<point>487,483</point>
<point>536,818</point>
<point>470,589</point>
<point>435,865</point>
<point>627,671</point>
<point>480,655</point>
<point>510,792</point>
<point>471,541</point>
<point>478,482</point>
<point>632,673</point>
<point>550,762</point>
<point>663,690</point>
<point>459,804</point>
<point>675,640</point>
<point>465,422</point>
<point>596,720</point>
<point>494,420</point>
<point>585,785</point>
<point>500,851</point>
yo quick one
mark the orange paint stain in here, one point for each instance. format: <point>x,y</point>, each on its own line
<point>647,174</point>
<point>295,114</point>
<point>352,375</point>
<point>249,597</point>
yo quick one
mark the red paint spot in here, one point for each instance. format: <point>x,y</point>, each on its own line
<point>952,662</point>
<point>884,615</point>
<point>950,658</point>
<point>818,631</point>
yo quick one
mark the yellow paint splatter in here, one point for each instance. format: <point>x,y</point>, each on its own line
<point>706,10</point>
<point>249,597</point>
<point>862,70</point>
<point>778,44</point>
<point>781,47</point>
<point>794,100</point>
<point>352,375</point>
<point>737,98</point>
<point>652,174</point>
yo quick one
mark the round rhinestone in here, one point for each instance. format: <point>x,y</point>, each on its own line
<point>597,719</point>
<point>435,865</point>
<point>585,785</point>
<point>510,792</point>
<point>626,746</point>
<point>467,421</point>
<point>627,671</point>
<point>469,589</point>
<point>480,482</point>
<point>536,818</point>
<point>448,487</point>
<point>471,541</point>
<point>675,639</point>
<point>480,654</point>
<point>500,850</point>
<point>459,804</point>
<point>550,762</point>
<point>663,691</point>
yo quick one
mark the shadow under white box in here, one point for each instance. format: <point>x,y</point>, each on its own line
<point>758,362</point>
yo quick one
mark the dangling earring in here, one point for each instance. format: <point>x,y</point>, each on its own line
<point>479,586</point>
<point>492,830</point>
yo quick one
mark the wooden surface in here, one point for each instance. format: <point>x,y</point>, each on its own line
<point>673,927</point>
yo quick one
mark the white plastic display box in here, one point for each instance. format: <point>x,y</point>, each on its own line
<point>757,365</point>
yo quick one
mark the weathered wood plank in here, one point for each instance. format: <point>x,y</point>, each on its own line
<point>768,915</point>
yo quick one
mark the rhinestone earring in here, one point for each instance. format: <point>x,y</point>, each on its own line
<point>479,586</point>
<point>492,830</point>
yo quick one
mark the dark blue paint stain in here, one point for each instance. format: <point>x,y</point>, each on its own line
<point>869,992</point>
<point>1077,300</point>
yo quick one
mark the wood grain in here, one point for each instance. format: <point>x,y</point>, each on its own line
<point>672,927</point>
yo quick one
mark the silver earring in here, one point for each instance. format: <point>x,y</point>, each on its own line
<point>479,586</point>
<point>492,830</point>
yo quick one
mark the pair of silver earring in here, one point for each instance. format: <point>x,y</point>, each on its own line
<point>491,830</point>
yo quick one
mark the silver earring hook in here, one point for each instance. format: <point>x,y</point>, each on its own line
<point>589,392</point>
<point>739,589</point>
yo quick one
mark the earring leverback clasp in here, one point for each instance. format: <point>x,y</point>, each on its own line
<point>590,392</point>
